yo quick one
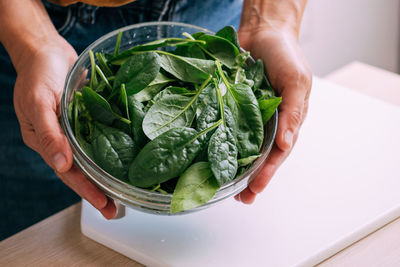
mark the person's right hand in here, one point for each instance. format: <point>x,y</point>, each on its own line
<point>41,75</point>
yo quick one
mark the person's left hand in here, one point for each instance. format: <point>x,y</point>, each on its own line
<point>290,76</point>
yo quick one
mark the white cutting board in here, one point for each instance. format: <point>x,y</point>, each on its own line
<point>340,183</point>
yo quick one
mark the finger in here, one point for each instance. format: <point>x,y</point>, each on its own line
<point>291,115</point>
<point>110,210</point>
<point>247,196</point>
<point>75,179</point>
<point>271,165</point>
<point>53,145</point>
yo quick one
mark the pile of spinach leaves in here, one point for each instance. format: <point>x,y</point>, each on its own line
<point>175,115</point>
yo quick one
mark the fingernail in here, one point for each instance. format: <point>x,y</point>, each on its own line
<point>289,138</point>
<point>59,161</point>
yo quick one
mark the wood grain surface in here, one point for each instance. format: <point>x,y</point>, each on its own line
<point>57,241</point>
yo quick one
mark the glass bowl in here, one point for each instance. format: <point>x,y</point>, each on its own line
<point>126,194</point>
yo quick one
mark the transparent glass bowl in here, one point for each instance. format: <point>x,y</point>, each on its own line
<point>128,195</point>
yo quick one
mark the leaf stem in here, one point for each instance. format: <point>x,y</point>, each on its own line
<point>189,36</point>
<point>103,77</point>
<point>93,80</point>
<point>103,64</point>
<point>118,44</point>
<point>222,75</point>
<point>220,101</point>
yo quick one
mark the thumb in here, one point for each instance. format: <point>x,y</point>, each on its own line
<point>52,143</point>
<point>291,115</point>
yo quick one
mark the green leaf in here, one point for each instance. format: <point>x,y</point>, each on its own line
<point>268,107</point>
<point>121,58</point>
<point>187,69</point>
<point>264,93</point>
<point>206,97</point>
<point>170,111</point>
<point>221,49</point>
<point>256,73</point>
<point>137,115</point>
<point>195,187</point>
<point>229,33</point>
<point>246,161</point>
<point>239,76</point>
<point>153,88</point>
<point>99,108</point>
<point>113,150</point>
<point>118,43</point>
<point>222,155</point>
<point>246,113</point>
<point>104,64</point>
<point>78,111</point>
<point>138,72</point>
<point>173,91</point>
<point>165,157</point>
<point>123,101</point>
<point>93,79</point>
<point>190,50</point>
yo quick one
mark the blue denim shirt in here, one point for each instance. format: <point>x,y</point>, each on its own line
<point>29,189</point>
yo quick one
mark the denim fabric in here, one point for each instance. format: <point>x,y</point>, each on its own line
<point>29,189</point>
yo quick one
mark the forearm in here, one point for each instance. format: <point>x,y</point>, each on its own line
<point>274,15</point>
<point>25,26</point>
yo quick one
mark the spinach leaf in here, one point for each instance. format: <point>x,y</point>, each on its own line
<point>104,64</point>
<point>118,43</point>
<point>137,115</point>
<point>195,187</point>
<point>268,107</point>
<point>93,79</point>
<point>153,88</point>
<point>113,150</point>
<point>170,111</point>
<point>244,106</point>
<point>241,59</point>
<point>185,68</point>
<point>222,150</point>
<point>229,33</point>
<point>221,49</point>
<point>239,76</point>
<point>208,117</point>
<point>123,101</point>
<point>138,72</point>
<point>99,108</point>
<point>81,119</point>
<point>165,157</point>
<point>222,155</point>
<point>256,73</point>
<point>250,131</point>
<point>262,93</point>
<point>246,161</point>
<point>206,97</point>
<point>190,50</point>
<point>173,91</point>
<point>150,46</point>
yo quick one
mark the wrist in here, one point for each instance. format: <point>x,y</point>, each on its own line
<point>25,27</point>
<point>280,17</point>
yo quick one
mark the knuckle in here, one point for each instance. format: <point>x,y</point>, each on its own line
<point>295,116</point>
<point>47,139</point>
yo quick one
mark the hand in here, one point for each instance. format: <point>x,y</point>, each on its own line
<point>291,77</point>
<point>37,94</point>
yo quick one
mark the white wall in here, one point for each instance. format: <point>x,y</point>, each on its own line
<point>336,32</point>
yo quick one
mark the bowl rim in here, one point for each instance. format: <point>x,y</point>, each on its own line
<point>67,129</point>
